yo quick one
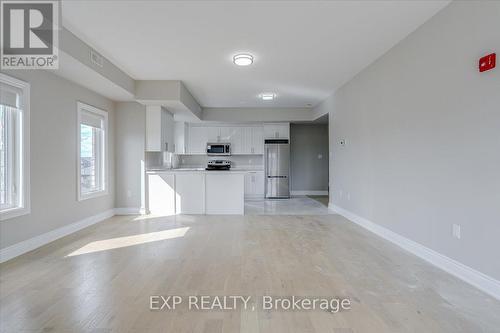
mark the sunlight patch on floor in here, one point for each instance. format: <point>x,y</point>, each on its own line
<point>119,242</point>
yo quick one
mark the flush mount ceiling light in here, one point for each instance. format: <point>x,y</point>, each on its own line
<point>243,59</point>
<point>267,96</point>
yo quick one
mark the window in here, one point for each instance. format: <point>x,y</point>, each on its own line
<point>14,147</point>
<point>92,151</point>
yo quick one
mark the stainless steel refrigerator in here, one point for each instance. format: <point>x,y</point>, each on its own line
<point>277,168</point>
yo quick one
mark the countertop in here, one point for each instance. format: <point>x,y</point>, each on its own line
<point>202,170</point>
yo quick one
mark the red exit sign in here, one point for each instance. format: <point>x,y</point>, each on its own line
<point>487,62</point>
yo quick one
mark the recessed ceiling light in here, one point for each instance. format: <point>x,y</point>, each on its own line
<point>243,59</point>
<point>268,96</point>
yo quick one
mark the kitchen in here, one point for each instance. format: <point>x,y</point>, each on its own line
<point>221,150</point>
<point>212,168</point>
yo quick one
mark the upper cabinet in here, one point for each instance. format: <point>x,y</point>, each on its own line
<point>165,134</point>
<point>197,140</point>
<point>257,146</point>
<point>252,140</point>
<point>277,131</point>
<point>245,140</point>
<point>233,135</point>
<point>180,137</point>
<point>159,129</point>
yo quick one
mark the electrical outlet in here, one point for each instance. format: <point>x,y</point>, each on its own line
<point>320,156</point>
<point>457,232</point>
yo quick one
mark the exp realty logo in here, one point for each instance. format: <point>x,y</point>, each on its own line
<point>29,37</point>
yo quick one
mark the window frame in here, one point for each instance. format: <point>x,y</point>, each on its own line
<point>103,159</point>
<point>21,139</point>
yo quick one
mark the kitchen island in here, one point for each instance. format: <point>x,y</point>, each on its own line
<point>195,191</point>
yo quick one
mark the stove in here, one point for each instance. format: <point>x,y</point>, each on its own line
<point>218,165</point>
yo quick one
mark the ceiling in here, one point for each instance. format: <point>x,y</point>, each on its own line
<point>303,50</point>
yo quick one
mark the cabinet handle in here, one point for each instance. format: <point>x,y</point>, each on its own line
<point>166,146</point>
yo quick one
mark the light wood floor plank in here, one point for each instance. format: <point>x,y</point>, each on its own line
<point>100,279</point>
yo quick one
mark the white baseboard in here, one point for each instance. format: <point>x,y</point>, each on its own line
<point>479,280</point>
<point>308,192</point>
<point>130,211</point>
<point>35,242</point>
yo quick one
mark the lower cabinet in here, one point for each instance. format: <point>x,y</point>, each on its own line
<point>190,197</point>
<point>254,184</point>
<point>161,194</point>
<point>225,194</point>
<point>212,192</point>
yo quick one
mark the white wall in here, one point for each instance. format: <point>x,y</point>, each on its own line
<point>130,145</point>
<point>236,115</point>
<point>423,137</point>
<point>309,157</point>
<point>53,158</point>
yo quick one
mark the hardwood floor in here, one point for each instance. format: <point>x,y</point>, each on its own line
<point>101,279</point>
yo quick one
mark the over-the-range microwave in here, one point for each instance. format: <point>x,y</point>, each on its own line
<point>218,149</point>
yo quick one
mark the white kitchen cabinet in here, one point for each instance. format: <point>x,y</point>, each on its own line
<point>190,194</point>
<point>213,134</point>
<point>161,194</point>
<point>252,141</point>
<point>257,146</point>
<point>259,184</point>
<point>198,138</point>
<point>248,185</point>
<point>225,193</point>
<point>233,134</point>
<point>277,131</point>
<point>254,184</point>
<point>244,139</point>
<point>180,137</point>
<point>169,132</point>
<point>225,133</point>
<point>159,129</point>
<point>195,192</point>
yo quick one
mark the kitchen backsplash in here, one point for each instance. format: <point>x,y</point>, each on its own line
<point>238,161</point>
<point>158,160</point>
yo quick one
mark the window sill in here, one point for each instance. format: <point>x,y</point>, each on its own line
<point>10,213</point>
<point>91,195</point>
